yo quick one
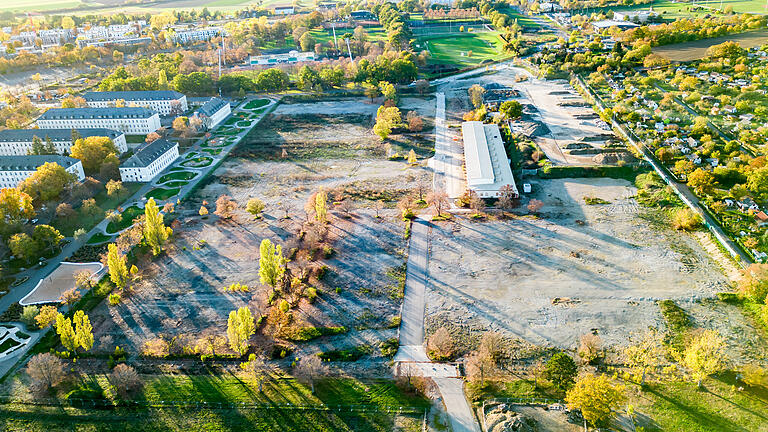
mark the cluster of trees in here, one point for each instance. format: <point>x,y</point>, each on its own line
<point>395,23</point>
<point>690,29</point>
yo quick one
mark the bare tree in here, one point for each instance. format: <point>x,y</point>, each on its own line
<point>422,187</point>
<point>255,367</point>
<point>377,207</point>
<point>346,207</point>
<point>505,200</point>
<point>124,379</point>
<point>438,200</point>
<point>285,207</point>
<point>46,371</point>
<point>476,203</point>
<point>590,347</point>
<point>210,343</point>
<point>84,279</point>
<point>406,206</point>
<point>480,365</point>
<point>70,296</point>
<point>308,369</point>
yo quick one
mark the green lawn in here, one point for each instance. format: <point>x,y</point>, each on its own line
<point>177,175</point>
<point>522,20</point>
<point>198,162</point>
<point>456,48</point>
<point>377,396</point>
<point>99,238</point>
<point>67,226</point>
<point>129,215</point>
<point>256,103</point>
<point>325,36</point>
<point>162,193</point>
<point>670,10</point>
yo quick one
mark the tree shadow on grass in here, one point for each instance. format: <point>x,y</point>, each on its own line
<point>704,419</point>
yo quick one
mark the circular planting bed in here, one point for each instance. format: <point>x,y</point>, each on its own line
<point>212,152</point>
<point>215,142</point>
<point>162,193</point>
<point>129,215</point>
<point>198,162</point>
<point>255,104</point>
<point>177,175</point>
<point>243,124</point>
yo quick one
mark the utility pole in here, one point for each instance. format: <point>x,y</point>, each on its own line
<point>335,43</point>
<point>349,51</point>
<point>223,52</point>
<point>219,51</point>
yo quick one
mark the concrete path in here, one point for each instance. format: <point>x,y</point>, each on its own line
<point>412,317</point>
<point>459,412</point>
<point>448,160</point>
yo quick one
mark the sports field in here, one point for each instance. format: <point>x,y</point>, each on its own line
<point>671,10</point>
<point>464,49</point>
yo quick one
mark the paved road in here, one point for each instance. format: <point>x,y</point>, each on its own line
<point>412,318</point>
<point>459,412</point>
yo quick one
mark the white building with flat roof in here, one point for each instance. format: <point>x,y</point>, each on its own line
<point>165,102</point>
<point>149,161</point>
<point>15,169</point>
<point>289,57</point>
<point>485,159</point>
<point>129,120</point>
<point>18,142</point>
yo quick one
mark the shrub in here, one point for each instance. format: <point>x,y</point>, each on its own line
<point>677,319</point>
<point>303,334</point>
<point>311,294</point>
<point>347,355</point>
<point>114,299</point>
<point>13,313</point>
<point>729,297</point>
<point>28,315</point>
<point>686,219</point>
<point>389,347</point>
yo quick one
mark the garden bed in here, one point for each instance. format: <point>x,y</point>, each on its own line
<point>198,162</point>
<point>162,193</point>
<point>177,175</point>
<point>129,215</point>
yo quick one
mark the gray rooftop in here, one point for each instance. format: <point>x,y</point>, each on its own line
<point>150,95</point>
<point>96,113</point>
<point>147,154</point>
<point>56,135</point>
<point>212,107</point>
<point>32,162</point>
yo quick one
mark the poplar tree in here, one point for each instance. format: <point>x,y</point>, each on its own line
<point>240,328</point>
<point>118,269</point>
<point>155,232</point>
<point>66,333</point>
<point>271,263</point>
<point>321,206</point>
<point>83,330</point>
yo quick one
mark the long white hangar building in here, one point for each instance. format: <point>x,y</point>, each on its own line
<point>486,161</point>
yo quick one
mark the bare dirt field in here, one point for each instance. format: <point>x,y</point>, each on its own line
<point>182,294</point>
<point>62,279</point>
<point>695,50</point>
<point>576,269</point>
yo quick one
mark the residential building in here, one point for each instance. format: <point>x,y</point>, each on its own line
<point>129,120</point>
<point>149,161</point>
<point>213,112</point>
<point>202,34</point>
<point>15,169</point>
<point>285,10</point>
<point>289,57</point>
<point>19,141</point>
<point>487,166</point>
<point>165,102</point>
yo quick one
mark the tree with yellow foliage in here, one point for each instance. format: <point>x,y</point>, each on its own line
<point>597,397</point>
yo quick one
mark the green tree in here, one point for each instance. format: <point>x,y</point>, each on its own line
<point>388,91</point>
<point>66,333</point>
<point>476,93</point>
<point>307,42</point>
<point>705,355</point>
<point>118,268</point>
<point>24,247</point>
<point>511,109</point>
<point>15,206</point>
<point>93,152</point>
<point>155,231</point>
<point>271,263</point>
<point>162,80</point>
<point>47,182</point>
<point>271,80</point>
<point>645,355</point>
<point>597,397</point>
<point>308,77</point>
<point>47,237</point>
<point>757,182</point>
<point>255,206</point>
<point>561,371</point>
<point>83,330</point>
<point>701,181</point>
<point>195,83</point>
<point>321,206</point>
<point>240,328</point>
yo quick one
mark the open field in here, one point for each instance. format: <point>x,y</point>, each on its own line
<point>671,10</point>
<point>50,289</point>
<point>607,265</point>
<point>695,50</point>
<point>378,397</point>
<point>112,6</point>
<point>358,281</point>
<point>465,49</point>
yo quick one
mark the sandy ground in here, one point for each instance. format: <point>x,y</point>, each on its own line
<point>62,279</point>
<point>182,293</point>
<point>609,271</point>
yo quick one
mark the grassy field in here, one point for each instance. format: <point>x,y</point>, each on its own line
<point>688,51</point>
<point>456,48</point>
<point>324,36</point>
<point>37,5</point>
<point>111,7</point>
<point>668,9</point>
<point>379,397</point>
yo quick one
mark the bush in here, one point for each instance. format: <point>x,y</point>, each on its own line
<point>28,315</point>
<point>13,313</point>
<point>114,299</point>
<point>389,347</point>
<point>348,355</point>
<point>88,397</point>
<point>303,334</point>
<point>561,371</point>
<point>729,297</point>
<point>686,219</point>
<point>311,294</point>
